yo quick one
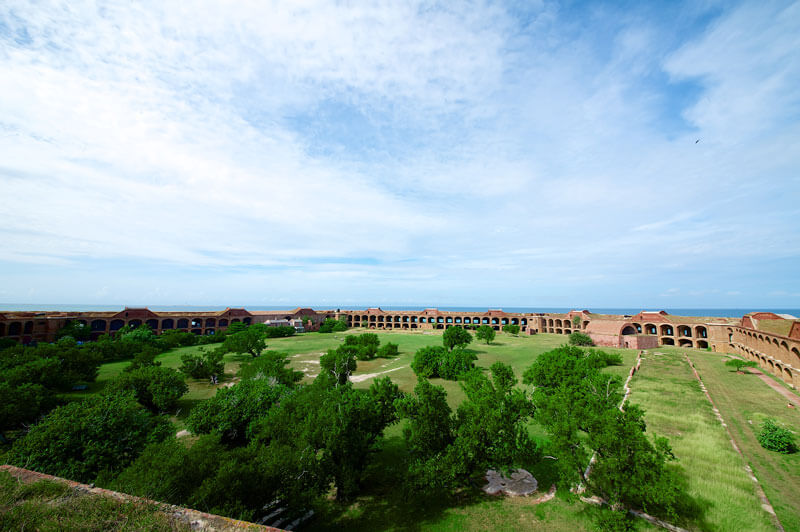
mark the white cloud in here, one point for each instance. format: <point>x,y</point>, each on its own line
<point>169,134</point>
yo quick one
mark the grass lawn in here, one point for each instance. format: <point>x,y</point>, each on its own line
<point>745,401</point>
<point>677,408</point>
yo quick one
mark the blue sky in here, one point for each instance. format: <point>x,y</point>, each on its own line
<point>405,153</point>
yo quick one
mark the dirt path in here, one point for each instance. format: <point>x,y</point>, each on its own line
<point>789,396</point>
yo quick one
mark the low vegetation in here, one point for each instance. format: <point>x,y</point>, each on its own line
<point>774,437</point>
<point>580,339</point>
<point>49,505</point>
<point>403,451</point>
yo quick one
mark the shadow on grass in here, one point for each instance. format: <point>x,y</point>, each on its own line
<point>386,505</point>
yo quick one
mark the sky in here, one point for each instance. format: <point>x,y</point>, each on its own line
<point>571,154</point>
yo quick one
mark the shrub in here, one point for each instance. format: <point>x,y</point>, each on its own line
<point>389,350</point>
<point>773,437</point>
<point>81,439</point>
<point>437,361</point>
<point>203,367</point>
<point>511,329</point>
<point>332,325</point>
<point>280,332</point>
<point>366,345</point>
<point>579,338</point>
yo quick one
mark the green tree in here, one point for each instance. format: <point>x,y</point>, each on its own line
<point>232,411</point>
<point>737,364</point>
<point>485,332</point>
<point>511,329</point>
<point>333,325</point>
<point>81,439</point>
<point>456,337</point>
<point>328,432</point>
<point>576,322</point>
<point>337,365</point>
<point>250,341</point>
<point>74,329</point>
<point>157,389</point>
<point>23,403</point>
<point>146,357</point>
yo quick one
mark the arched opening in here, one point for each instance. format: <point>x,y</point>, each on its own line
<point>134,324</point>
<point>495,321</point>
<point>14,328</point>
<point>524,321</point>
<point>702,344</point>
<point>666,330</point>
<point>196,323</point>
<point>638,327</point>
<point>585,324</point>
<point>116,325</point>
<point>504,321</point>
<point>28,329</point>
<point>667,341</point>
<point>486,321</point>
<point>700,332</point>
<point>247,321</point>
<point>685,331</point>
<point>567,331</point>
<point>514,321</point>
<point>234,320</point>
<point>211,322</point>
<point>685,342</point>
<point>558,330</point>
<point>628,329</point>
<point>795,357</point>
<point>153,324</point>
<point>550,323</point>
<point>183,323</point>
<point>787,376</point>
<point>98,325</point>
<point>449,320</point>
<point>168,323</point>
<point>2,329</point>
<point>558,323</point>
<point>649,328</point>
<point>223,322</point>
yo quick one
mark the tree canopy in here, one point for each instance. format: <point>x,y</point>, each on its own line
<point>456,337</point>
<point>485,332</point>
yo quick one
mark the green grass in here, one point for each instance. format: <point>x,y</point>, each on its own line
<point>677,408</point>
<point>53,506</point>
<point>745,401</point>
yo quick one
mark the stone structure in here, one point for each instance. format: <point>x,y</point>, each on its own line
<point>769,339</point>
<point>28,327</point>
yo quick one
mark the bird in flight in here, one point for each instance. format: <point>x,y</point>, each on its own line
<point>698,140</point>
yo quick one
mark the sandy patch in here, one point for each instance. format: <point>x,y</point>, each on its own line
<point>367,376</point>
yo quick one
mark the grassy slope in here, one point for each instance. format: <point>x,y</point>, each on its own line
<point>677,408</point>
<point>745,401</point>
<point>47,505</point>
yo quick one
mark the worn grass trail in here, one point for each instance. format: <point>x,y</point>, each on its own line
<point>714,472</point>
<point>745,401</point>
